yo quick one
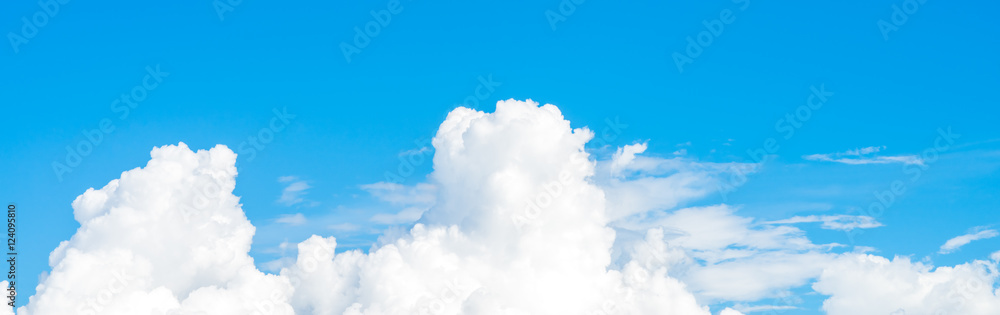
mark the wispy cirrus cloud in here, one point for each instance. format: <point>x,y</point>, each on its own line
<point>866,155</point>
<point>292,219</point>
<point>414,200</point>
<point>292,194</point>
<point>762,308</point>
<point>841,222</point>
<point>979,233</point>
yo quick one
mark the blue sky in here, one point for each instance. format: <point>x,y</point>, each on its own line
<point>226,75</point>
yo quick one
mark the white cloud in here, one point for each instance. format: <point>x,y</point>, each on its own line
<point>862,156</point>
<point>466,256</point>
<point>729,311</point>
<point>413,200</point>
<point>904,159</point>
<point>834,222</point>
<point>407,215</point>
<point>761,308</point>
<point>292,194</point>
<point>868,284</point>
<point>515,219</point>
<point>419,151</point>
<point>658,183</point>
<point>956,242</point>
<point>725,257</point>
<point>624,156</point>
<point>397,194</point>
<point>344,227</point>
<point>166,237</point>
<point>471,255</point>
<point>5,310</point>
<point>863,151</point>
<point>292,219</point>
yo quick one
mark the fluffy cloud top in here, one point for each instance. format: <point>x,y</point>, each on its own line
<point>515,219</point>
<point>169,238</point>
<point>867,284</point>
<point>517,229</point>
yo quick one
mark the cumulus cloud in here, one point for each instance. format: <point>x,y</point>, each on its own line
<point>168,237</point>
<point>517,229</point>
<point>516,218</point>
<point>293,192</point>
<point>868,284</point>
<point>862,156</point>
<point>489,245</point>
<point>954,243</point>
<point>834,222</point>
